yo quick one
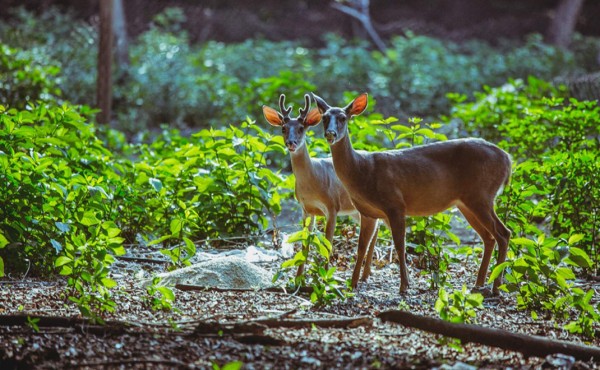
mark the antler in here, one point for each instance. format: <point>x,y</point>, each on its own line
<point>284,111</point>
<point>304,110</point>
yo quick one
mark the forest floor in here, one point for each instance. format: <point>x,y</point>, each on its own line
<point>167,340</point>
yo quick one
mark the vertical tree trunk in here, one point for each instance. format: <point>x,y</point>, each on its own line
<point>563,23</point>
<point>104,82</point>
<point>120,31</point>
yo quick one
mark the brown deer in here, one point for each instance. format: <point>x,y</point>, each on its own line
<point>317,188</point>
<point>419,181</point>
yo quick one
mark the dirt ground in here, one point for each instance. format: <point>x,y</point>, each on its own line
<point>171,340</point>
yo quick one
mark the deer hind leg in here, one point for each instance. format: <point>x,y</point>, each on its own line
<point>397,223</point>
<point>484,214</point>
<point>367,269</point>
<point>367,228</point>
<point>488,243</point>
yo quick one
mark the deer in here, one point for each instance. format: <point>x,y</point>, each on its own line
<point>424,180</point>
<point>317,188</point>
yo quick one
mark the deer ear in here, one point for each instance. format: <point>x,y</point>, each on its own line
<point>358,105</point>
<point>272,116</point>
<point>313,117</point>
<point>321,104</point>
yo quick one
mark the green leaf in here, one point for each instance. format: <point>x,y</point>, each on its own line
<point>62,260</point>
<point>109,283</point>
<point>575,238</point>
<point>580,257</point>
<point>89,219</point>
<point>1,267</point>
<point>166,292</point>
<point>160,240</point>
<point>523,241</point>
<point>3,240</point>
<point>497,271</point>
<point>176,226</point>
<point>565,273</point>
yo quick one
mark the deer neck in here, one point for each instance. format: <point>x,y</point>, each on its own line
<point>301,161</point>
<point>345,158</point>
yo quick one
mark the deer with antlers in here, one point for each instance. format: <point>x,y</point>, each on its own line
<point>317,187</point>
<point>419,181</point>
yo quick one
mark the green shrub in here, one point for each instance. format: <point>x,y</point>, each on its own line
<point>56,39</point>
<point>22,80</point>
<point>555,143</point>
<point>171,81</point>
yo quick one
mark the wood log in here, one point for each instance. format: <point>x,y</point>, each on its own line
<point>528,345</point>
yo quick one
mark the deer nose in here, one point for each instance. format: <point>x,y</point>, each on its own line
<point>291,144</point>
<point>330,135</point>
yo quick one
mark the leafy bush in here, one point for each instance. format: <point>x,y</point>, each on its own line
<point>555,143</point>
<point>56,39</point>
<point>318,274</point>
<point>171,81</point>
<point>22,80</point>
<point>553,190</point>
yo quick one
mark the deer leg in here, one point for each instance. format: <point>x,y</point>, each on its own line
<point>485,214</point>
<point>397,223</point>
<point>503,238</point>
<point>367,228</point>
<point>367,269</point>
<point>330,229</point>
<point>488,244</point>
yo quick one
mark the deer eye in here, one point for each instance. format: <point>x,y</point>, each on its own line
<point>283,129</point>
<point>326,119</point>
<point>300,129</point>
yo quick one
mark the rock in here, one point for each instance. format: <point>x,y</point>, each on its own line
<point>224,273</point>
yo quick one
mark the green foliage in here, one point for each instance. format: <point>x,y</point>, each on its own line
<point>172,81</point>
<point>159,297</point>
<point>432,235</point>
<point>554,141</point>
<point>554,187</point>
<point>56,39</point>
<point>32,322</point>
<point>460,306</point>
<point>543,276</point>
<point>234,365</point>
<point>23,80</point>
<point>318,275</point>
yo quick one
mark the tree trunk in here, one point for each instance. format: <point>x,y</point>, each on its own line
<point>563,22</point>
<point>104,81</point>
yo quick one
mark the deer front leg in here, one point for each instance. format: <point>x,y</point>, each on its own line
<point>397,223</point>
<point>367,228</point>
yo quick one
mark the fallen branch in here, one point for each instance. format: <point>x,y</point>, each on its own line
<point>115,363</point>
<point>528,345</point>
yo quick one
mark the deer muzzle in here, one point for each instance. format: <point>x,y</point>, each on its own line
<point>330,135</point>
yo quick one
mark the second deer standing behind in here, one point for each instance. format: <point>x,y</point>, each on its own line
<point>317,187</point>
<point>420,181</point>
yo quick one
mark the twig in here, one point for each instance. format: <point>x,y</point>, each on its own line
<point>363,17</point>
